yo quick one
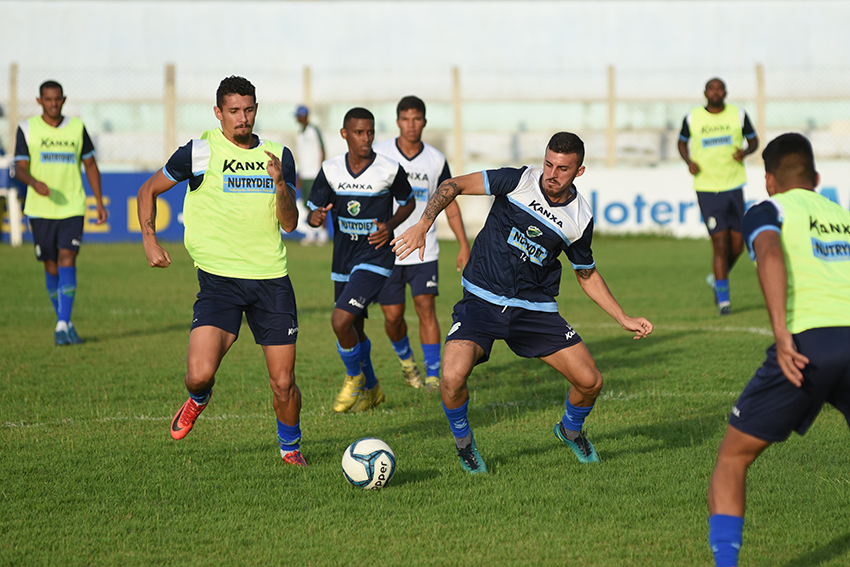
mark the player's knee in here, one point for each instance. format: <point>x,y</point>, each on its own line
<point>199,377</point>
<point>283,386</point>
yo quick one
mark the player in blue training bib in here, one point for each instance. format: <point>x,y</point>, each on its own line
<point>511,282</point>
<point>359,188</point>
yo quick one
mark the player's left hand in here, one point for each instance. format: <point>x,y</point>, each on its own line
<point>790,360</point>
<point>274,168</point>
<point>739,155</point>
<point>462,258</point>
<point>640,326</point>
<point>380,236</point>
<point>411,239</point>
<point>101,214</point>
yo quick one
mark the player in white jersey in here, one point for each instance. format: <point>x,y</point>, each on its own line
<point>426,168</point>
<point>358,187</point>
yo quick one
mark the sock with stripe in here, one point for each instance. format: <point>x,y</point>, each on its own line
<point>366,364</point>
<point>350,358</point>
<point>431,354</point>
<point>67,289</point>
<point>725,535</point>
<point>289,436</point>
<point>574,417</point>
<point>52,283</point>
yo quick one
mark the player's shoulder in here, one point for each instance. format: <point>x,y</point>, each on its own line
<point>386,147</point>
<point>432,152</point>
<point>385,162</point>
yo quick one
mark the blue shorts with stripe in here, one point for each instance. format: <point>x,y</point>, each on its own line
<point>49,235</point>
<point>422,278</point>
<point>361,289</point>
<point>722,211</point>
<point>268,305</point>
<point>771,407</point>
<point>530,334</point>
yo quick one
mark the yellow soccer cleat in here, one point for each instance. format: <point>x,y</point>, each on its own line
<point>369,399</point>
<point>350,392</point>
<point>411,373</point>
<point>432,384</point>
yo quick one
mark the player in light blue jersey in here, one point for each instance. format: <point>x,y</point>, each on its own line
<point>358,188</point>
<point>511,282</point>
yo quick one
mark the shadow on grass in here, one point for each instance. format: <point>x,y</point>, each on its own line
<point>838,547</point>
<point>139,333</point>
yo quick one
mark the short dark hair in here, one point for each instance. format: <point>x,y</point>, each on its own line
<point>50,85</point>
<point>718,79</point>
<point>790,158</point>
<point>234,85</point>
<point>357,113</point>
<point>410,102</point>
<point>567,143</point>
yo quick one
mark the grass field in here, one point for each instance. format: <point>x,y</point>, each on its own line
<point>90,476</point>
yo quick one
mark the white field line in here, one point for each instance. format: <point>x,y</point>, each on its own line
<point>660,328</point>
<point>610,396</point>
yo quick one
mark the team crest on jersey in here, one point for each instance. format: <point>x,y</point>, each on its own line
<point>533,232</point>
<point>353,208</point>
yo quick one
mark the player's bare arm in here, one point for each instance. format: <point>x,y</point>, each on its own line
<point>455,220</point>
<point>382,234</point>
<point>773,277</point>
<point>594,286</point>
<point>287,212</point>
<point>414,237</point>
<point>683,151</point>
<point>157,184</point>
<point>22,174</point>
<point>93,175</point>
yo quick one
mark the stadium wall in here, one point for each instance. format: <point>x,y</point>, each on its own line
<point>624,201</point>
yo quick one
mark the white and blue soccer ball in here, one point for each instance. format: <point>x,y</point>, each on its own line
<point>368,463</point>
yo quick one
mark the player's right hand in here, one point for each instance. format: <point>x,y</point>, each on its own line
<point>41,188</point>
<point>693,168</point>
<point>157,256</point>
<point>319,215</point>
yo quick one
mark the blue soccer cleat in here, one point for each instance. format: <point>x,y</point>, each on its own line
<point>471,460</point>
<point>73,337</point>
<point>61,338</point>
<point>581,446</point>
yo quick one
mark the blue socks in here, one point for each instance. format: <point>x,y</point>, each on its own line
<point>202,397</point>
<point>457,420</point>
<point>721,290</point>
<point>366,365</point>
<point>725,537</point>
<point>574,416</point>
<point>289,436</point>
<point>350,358</point>
<point>67,287</point>
<point>431,354</point>
<point>52,284</point>
<point>402,348</point>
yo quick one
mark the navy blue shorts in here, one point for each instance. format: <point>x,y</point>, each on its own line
<point>49,235</point>
<point>771,407</point>
<point>423,280</point>
<point>358,292</point>
<point>722,211</point>
<point>268,305</point>
<point>530,334</point>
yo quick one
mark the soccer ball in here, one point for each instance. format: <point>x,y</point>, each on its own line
<point>368,463</point>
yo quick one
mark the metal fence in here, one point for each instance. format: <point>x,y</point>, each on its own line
<point>479,118</point>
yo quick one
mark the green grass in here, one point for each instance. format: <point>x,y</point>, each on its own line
<point>90,476</point>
